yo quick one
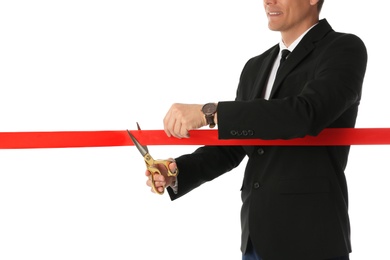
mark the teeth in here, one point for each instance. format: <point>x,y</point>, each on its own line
<point>274,13</point>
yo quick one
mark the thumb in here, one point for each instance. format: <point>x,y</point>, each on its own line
<point>173,166</point>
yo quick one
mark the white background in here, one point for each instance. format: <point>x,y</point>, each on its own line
<point>103,65</point>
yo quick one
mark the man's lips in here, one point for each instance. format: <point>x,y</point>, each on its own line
<point>274,13</point>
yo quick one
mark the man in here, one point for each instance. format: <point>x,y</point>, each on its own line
<point>295,199</point>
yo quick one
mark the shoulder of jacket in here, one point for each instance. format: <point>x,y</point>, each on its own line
<point>259,58</point>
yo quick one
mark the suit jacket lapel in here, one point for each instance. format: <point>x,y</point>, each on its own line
<point>262,78</point>
<point>293,60</point>
<point>300,52</point>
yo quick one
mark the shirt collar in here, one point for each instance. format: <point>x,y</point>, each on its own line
<point>295,43</point>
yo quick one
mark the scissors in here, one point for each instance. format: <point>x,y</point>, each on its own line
<point>151,164</point>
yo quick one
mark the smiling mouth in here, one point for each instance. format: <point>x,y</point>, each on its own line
<point>274,13</point>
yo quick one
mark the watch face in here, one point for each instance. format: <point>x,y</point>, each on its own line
<point>209,108</point>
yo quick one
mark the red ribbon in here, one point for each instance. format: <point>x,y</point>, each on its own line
<point>72,139</point>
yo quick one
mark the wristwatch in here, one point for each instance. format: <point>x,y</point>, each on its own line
<point>209,111</point>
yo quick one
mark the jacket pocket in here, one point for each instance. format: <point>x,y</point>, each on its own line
<point>304,185</point>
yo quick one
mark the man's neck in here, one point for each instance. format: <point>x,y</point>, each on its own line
<point>289,36</point>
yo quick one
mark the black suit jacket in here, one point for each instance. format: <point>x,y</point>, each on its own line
<point>295,199</point>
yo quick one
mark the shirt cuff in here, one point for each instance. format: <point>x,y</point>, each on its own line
<point>175,186</point>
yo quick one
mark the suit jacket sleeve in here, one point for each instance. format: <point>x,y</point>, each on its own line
<point>205,164</point>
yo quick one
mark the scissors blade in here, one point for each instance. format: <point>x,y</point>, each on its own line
<point>141,148</point>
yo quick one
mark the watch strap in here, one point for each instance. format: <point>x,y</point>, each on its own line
<point>210,120</point>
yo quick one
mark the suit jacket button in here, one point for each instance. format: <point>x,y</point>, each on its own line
<point>233,132</point>
<point>256,185</point>
<point>260,151</point>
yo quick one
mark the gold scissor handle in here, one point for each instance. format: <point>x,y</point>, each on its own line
<point>154,170</point>
<point>166,164</point>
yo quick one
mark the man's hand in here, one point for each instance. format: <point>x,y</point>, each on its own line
<point>182,118</point>
<point>163,180</point>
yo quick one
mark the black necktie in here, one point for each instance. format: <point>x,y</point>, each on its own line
<point>285,53</point>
